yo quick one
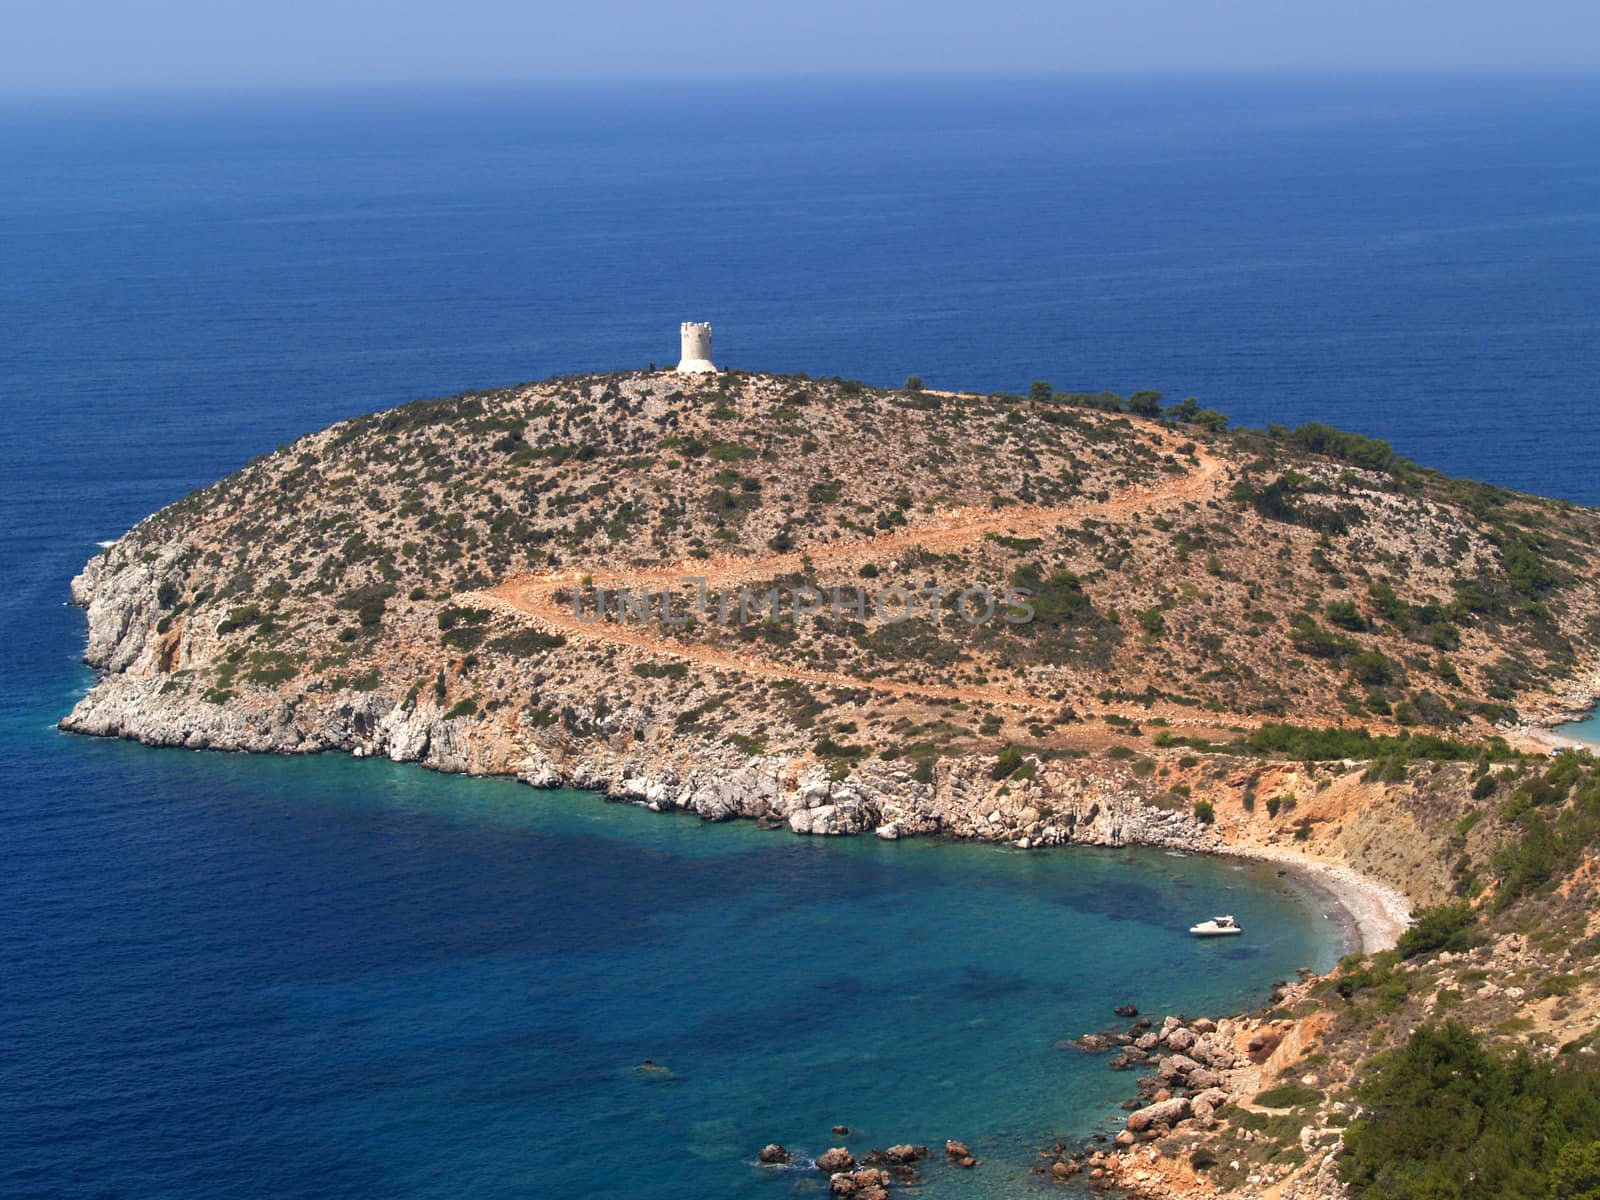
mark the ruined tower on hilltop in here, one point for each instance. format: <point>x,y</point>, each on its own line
<point>696,356</point>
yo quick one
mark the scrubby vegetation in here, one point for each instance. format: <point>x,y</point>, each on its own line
<point>1446,1118</point>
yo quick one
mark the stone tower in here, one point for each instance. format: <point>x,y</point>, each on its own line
<point>696,338</point>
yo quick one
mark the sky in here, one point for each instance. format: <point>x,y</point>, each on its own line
<point>99,46</point>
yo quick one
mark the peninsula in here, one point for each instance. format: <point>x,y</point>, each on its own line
<point>1040,620</point>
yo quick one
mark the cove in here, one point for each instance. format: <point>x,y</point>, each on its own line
<point>1586,730</point>
<point>323,977</point>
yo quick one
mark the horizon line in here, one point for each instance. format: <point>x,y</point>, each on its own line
<point>308,88</point>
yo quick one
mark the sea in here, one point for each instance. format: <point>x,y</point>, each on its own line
<point>225,975</point>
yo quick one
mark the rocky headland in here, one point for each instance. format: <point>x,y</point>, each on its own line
<point>753,596</point>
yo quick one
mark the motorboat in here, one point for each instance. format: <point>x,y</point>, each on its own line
<point>1216,927</point>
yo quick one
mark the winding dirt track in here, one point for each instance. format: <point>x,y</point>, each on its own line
<point>535,595</point>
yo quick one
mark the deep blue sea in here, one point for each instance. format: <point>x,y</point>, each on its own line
<point>230,976</point>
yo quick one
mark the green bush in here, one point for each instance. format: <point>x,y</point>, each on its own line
<point>1443,1118</point>
<point>666,670</point>
<point>1372,668</point>
<point>1205,812</point>
<point>1368,453</point>
<point>452,616</point>
<point>239,618</point>
<point>1442,927</point>
<point>1345,615</point>
<point>1007,764</point>
<point>464,637</point>
<point>525,643</point>
<point>368,603</point>
<point>1323,745</point>
<point>1288,1095</point>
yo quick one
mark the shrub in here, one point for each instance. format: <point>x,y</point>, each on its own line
<point>368,603</point>
<point>1442,927</point>
<point>464,637</point>
<point>525,643</point>
<point>1205,812</point>
<point>1306,636</point>
<point>1368,453</point>
<point>1372,668</point>
<point>666,670</point>
<point>1007,764</point>
<point>1445,1117</point>
<point>450,617</point>
<point>239,618</point>
<point>1345,615</point>
<point>1289,1095</point>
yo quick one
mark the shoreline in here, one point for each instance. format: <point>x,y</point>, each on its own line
<point>1548,738</point>
<point>1541,732</point>
<point>1371,916</point>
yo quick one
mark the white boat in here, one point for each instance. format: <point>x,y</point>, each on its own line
<point>1216,927</point>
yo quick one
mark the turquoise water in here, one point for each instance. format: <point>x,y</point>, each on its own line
<point>226,976</point>
<point>1587,730</point>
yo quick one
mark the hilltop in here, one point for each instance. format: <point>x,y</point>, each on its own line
<point>1035,619</point>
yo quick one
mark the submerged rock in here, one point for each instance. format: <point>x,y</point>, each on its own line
<point>869,1183</point>
<point>958,1154</point>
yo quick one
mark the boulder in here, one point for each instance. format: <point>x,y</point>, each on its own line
<point>1261,1045</point>
<point>1214,1096</point>
<point>1167,1112</point>
<point>1204,1025</point>
<point>1180,1039</point>
<point>957,1154</point>
<point>1126,1010</point>
<point>773,1155</point>
<point>905,1153</point>
<point>868,1183</point>
<point>1147,1041</point>
<point>836,1159</point>
<point>1176,1066</point>
<point>1203,1113</point>
<point>1202,1078</point>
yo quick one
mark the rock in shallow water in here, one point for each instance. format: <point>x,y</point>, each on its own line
<point>836,1159</point>
<point>1167,1112</point>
